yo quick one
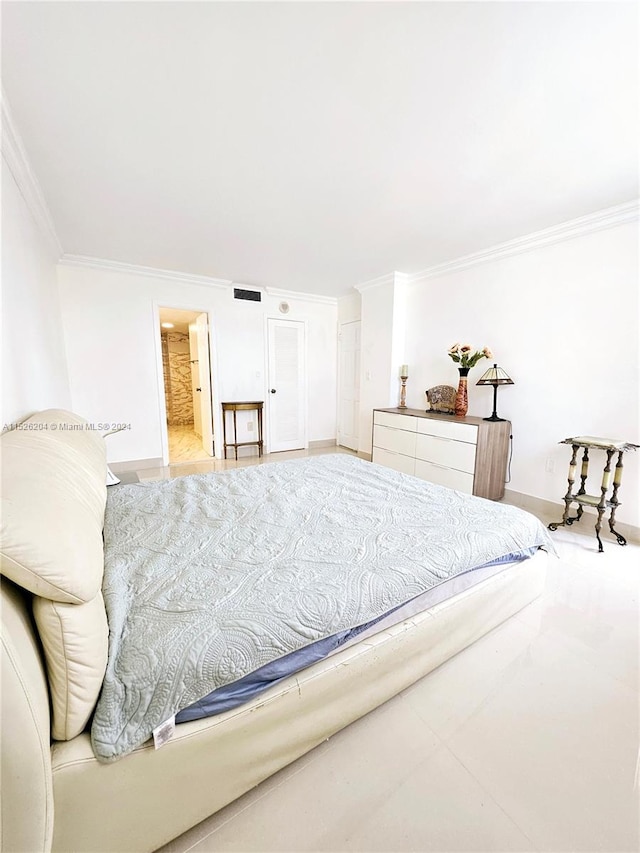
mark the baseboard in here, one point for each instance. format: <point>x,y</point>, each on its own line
<point>365,456</point>
<point>323,442</point>
<point>548,511</point>
<point>135,465</point>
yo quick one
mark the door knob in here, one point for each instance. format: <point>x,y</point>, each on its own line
<point>198,389</point>
<point>272,390</point>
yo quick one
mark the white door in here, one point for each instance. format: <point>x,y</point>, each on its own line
<point>286,391</point>
<point>194,362</point>
<point>204,390</point>
<point>348,384</point>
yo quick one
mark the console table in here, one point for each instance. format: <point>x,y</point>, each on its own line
<point>599,502</point>
<point>241,407</point>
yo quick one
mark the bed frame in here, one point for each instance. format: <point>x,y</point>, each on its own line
<point>56,795</point>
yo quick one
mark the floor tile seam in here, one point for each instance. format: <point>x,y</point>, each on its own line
<point>467,716</point>
<point>555,636</point>
<point>493,799</point>
<point>416,713</point>
<point>260,797</point>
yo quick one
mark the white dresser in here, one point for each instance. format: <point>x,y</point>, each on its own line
<point>468,454</point>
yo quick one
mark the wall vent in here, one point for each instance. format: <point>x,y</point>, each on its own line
<point>250,295</point>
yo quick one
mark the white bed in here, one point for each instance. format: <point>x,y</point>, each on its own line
<point>148,797</point>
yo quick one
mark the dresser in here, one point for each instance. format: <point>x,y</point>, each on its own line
<point>467,454</point>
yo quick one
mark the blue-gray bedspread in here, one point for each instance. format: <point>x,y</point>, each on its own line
<point>209,578</point>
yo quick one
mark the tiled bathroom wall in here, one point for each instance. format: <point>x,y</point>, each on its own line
<point>177,378</point>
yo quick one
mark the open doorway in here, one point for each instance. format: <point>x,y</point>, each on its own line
<point>188,391</point>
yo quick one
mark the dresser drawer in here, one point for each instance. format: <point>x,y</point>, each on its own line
<point>442,476</point>
<point>445,451</point>
<point>397,440</point>
<point>448,429</point>
<point>404,464</point>
<point>388,419</point>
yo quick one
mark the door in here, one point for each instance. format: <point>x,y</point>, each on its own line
<point>286,391</point>
<point>204,390</point>
<point>348,384</point>
<point>194,362</point>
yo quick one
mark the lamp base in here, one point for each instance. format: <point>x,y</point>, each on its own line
<point>494,418</point>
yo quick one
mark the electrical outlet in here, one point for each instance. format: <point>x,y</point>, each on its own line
<point>550,465</point>
<point>250,426</point>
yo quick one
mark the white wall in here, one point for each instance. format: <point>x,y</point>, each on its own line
<point>383,311</point>
<point>34,371</point>
<point>112,342</point>
<point>350,308</point>
<point>563,322</point>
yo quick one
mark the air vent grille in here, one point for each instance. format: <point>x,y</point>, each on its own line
<point>249,295</point>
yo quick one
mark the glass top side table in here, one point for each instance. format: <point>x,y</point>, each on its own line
<point>600,502</point>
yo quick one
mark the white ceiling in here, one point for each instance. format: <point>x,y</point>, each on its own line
<point>180,318</point>
<point>314,146</point>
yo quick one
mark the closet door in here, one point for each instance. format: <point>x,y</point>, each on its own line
<point>348,384</point>
<point>286,389</point>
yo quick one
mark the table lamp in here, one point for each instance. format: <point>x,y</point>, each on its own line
<point>494,376</point>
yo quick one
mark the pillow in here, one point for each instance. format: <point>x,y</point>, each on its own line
<point>53,499</point>
<point>75,642</point>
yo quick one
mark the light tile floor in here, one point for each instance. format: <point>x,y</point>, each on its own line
<point>184,445</point>
<point>208,465</point>
<point>527,740</point>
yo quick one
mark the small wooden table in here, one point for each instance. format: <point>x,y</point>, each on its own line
<point>242,406</point>
<point>599,502</point>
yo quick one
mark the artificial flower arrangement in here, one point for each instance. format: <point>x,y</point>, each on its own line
<point>462,355</point>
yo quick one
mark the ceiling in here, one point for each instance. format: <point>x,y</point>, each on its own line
<point>180,318</point>
<point>314,146</point>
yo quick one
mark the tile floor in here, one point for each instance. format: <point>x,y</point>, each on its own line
<point>184,445</point>
<point>208,465</point>
<point>527,740</point>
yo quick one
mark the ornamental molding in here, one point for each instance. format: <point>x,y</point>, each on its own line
<point>307,297</point>
<point>389,278</point>
<point>598,221</point>
<point>149,272</point>
<point>16,158</point>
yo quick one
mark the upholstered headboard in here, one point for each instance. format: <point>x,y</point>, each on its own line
<point>53,500</point>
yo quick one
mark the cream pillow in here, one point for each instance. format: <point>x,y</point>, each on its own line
<point>53,500</point>
<point>75,642</point>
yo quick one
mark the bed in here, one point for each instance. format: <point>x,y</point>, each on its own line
<point>372,579</point>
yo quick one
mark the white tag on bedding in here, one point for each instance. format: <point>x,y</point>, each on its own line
<point>164,732</point>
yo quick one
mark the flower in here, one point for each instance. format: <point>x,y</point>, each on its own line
<point>462,355</point>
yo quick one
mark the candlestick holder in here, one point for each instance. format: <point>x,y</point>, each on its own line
<point>403,393</point>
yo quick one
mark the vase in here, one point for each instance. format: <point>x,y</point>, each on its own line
<point>462,399</point>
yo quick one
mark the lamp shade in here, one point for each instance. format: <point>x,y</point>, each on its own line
<point>495,376</point>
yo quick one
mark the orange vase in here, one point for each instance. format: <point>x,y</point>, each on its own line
<point>462,399</point>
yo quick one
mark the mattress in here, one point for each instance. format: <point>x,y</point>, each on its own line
<point>238,692</point>
<point>209,578</point>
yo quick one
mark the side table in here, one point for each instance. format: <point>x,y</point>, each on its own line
<point>241,407</point>
<point>600,502</point>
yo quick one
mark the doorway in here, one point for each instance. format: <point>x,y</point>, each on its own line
<point>188,389</point>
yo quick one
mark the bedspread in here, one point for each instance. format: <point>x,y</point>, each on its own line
<point>209,577</point>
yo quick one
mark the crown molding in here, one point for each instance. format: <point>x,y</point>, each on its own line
<point>389,278</point>
<point>16,158</point>
<point>598,221</point>
<point>307,297</point>
<point>150,272</point>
